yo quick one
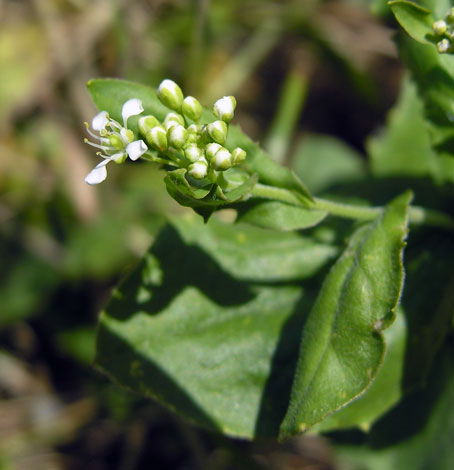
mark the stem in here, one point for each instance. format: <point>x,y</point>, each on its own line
<point>418,215</point>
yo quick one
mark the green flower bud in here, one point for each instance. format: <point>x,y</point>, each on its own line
<point>193,153</point>
<point>211,149</point>
<point>146,123</point>
<point>450,16</point>
<point>224,108</point>
<point>194,129</point>
<point>170,94</point>
<point>443,46</point>
<point>238,156</point>
<point>217,130</point>
<point>199,169</point>
<point>439,27</point>
<point>173,118</point>
<point>177,136</point>
<point>222,160</point>
<point>116,142</point>
<point>157,138</point>
<point>191,108</point>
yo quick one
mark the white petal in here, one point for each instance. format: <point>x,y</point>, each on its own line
<point>100,121</point>
<point>98,174</point>
<point>136,149</point>
<point>132,107</point>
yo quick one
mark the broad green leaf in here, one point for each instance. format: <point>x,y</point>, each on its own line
<point>404,148</point>
<point>278,215</point>
<point>110,94</point>
<point>415,19</point>
<point>321,161</point>
<point>385,391</point>
<point>208,324</point>
<point>257,255</point>
<point>416,435</point>
<point>342,346</point>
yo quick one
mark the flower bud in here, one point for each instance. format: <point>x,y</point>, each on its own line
<point>238,156</point>
<point>199,169</point>
<point>177,136</point>
<point>450,16</point>
<point>439,27</point>
<point>170,94</point>
<point>194,129</point>
<point>443,46</point>
<point>173,118</point>
<point>157,138</point>
<point>191,108</point>
<point>146,123</point>
<point>193,153</point>
<point>217,130</point>
<point>211,149</point>
<point>224,108</point>
<point>222,160</point>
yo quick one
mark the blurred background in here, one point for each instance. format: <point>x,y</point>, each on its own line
<point>298,68</point>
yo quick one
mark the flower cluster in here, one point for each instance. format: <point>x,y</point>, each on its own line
<point>115,141</point>
<point>444,32</point>
<point>188,144</point>
<point>178,141</point>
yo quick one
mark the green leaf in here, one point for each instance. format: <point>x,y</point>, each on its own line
<point>343,346</point>
<point>322,161</point>
<point>209,322</point>
<point>385,391</point>
<point>415,19</point>
<point>416,435</point>
<point>428,300</point>
<point>278,216</point>
<point>404,148</point>
<point>433,74</point>
<point>204,200</point>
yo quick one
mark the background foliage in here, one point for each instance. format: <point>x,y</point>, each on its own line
<point>315,81</point>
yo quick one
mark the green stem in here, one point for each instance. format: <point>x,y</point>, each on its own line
<point>418,215</point>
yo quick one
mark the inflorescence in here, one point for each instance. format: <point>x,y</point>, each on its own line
<point>444,32</point>
<point>179,141</point>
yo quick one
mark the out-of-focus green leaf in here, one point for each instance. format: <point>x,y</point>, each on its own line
<point>385,391</point>
<point>278,216</point>
<point>24,287</point>
<point>22,61</point>
<point>404,148</point>
<point>321,161</point>
<point>416,435</point>
<point>343,346</point>
<point>415,19</point>
<point>79,342</point>
<point>433,74</point>
<point>202,326</point>
<point>428,300</point>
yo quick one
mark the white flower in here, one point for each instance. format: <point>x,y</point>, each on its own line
<point>115,142</point>
<point>224,108</point>
<point>132,107</point>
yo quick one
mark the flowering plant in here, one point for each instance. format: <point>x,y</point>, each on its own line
<point>274,325</point>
